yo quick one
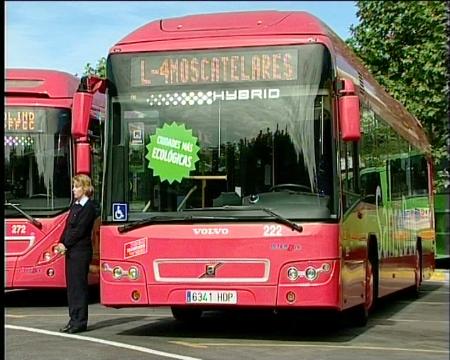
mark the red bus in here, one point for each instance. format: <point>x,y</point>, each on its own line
<point>242,170</point>
<point>44,149</point>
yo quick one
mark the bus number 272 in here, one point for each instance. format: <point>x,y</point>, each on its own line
<point>18,229</point>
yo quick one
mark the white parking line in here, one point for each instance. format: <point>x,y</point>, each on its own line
<point>65,315</point>
<point>104,342</point>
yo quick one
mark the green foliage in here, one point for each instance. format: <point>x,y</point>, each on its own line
<point>99,70</point>
<point>404,45</point>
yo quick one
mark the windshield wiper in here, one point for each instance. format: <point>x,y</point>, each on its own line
<point>169,219</point>
<point>186,218</point>
<point>278,218</point>
<point>35,222</point>
<point>282,220</point>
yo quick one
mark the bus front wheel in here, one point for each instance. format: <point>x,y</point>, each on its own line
<point>360,314</point>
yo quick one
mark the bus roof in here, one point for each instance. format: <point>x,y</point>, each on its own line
<point>259,28</point>
<point>40,83</point>
<point>226,24</point>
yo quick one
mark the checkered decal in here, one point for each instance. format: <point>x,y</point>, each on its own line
<point>184,98</point>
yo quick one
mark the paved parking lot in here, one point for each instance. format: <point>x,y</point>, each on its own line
<point>401,328</point>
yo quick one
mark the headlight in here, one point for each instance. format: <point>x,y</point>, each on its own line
<point>133,273</point>
<point>311,274</point>
<point>292,273</point>
<point>117,272</point>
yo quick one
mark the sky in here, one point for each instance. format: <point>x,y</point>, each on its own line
<point>66,35</point>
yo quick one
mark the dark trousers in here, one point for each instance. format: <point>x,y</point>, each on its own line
<point>77,270</point>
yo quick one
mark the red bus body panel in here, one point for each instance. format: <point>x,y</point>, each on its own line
<point>171,262</point>
<point>25,246</point>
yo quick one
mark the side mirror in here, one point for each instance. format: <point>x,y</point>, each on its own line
<point>81,109</point>
<point>83,158</point>
<point>349,114</point>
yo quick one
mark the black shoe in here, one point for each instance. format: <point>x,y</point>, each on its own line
<point>65,328</point>
<point>76,329</point>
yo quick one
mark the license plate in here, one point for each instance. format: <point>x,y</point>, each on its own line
<point>211,297</point>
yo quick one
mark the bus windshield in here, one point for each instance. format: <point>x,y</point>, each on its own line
<point>37,160</point>
<point>234,127</point>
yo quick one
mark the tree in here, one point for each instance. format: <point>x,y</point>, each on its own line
<point>404,45</point>
<point>99,70</point>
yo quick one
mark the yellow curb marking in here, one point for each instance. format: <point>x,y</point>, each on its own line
<point>342,347</point>
<point>188,344</point>
<point>438,277</point>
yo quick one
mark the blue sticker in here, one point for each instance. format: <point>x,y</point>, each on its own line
<point>120,211</point>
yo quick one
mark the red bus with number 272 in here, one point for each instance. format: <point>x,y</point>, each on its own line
<point>45,146</point>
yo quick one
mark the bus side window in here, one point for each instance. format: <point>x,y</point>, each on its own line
<point>349,174</point>
<point>370,181</point>
<point>398,178</point>
<point>419,175</point>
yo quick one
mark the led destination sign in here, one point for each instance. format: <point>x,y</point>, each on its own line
<point>209,68</point>
<point>23,120</point>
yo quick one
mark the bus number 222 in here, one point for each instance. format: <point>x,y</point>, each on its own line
<point>272,230</point>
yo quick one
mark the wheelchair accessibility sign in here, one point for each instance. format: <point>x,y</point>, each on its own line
<point>120,211</point>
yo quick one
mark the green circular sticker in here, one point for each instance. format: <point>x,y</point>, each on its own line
<point>172,152</point>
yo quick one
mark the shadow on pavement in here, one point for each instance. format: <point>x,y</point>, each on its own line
<point>113,322</point>
<point>43,297</point>
<point>254,325</point>
<point>282,326</point>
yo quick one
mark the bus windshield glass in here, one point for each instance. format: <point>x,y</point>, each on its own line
<point>37,160</point>
<point>236,127</point>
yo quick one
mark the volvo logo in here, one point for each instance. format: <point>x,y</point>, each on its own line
<point>210,231</point>
<point>211,270</point>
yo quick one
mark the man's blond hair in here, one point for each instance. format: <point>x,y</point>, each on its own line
<point>85,182</point>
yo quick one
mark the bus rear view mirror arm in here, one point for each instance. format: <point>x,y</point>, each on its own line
<point>349,114</point>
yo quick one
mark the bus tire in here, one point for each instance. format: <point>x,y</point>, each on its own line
<point>186,314</point>
<point>417,269</point>
<point>360,314</point>
<point>373,257</point>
